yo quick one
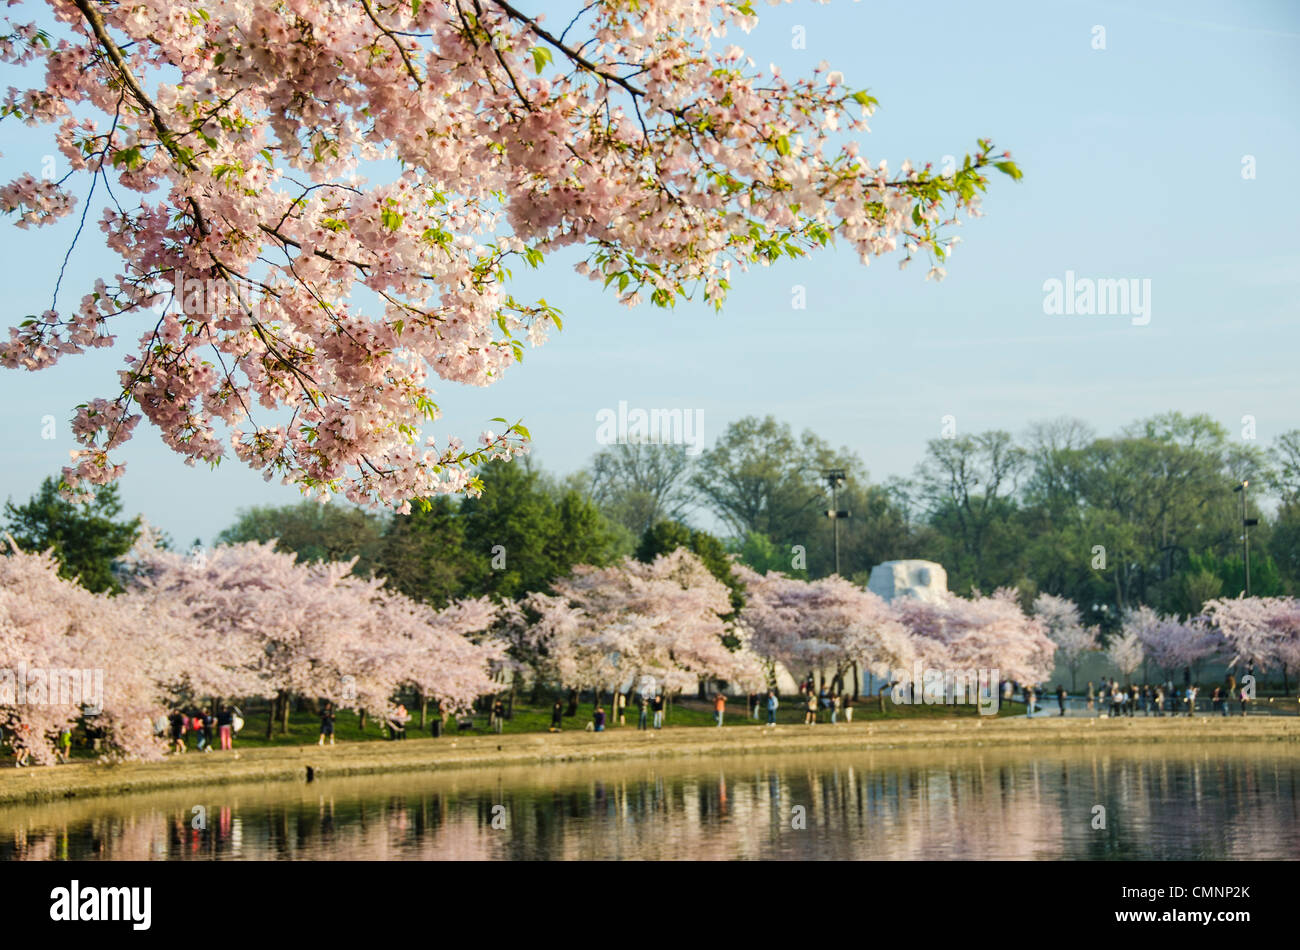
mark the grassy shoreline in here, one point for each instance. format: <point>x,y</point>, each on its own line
<point>290,763</point>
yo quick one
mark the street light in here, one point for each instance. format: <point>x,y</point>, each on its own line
<point>1246,525</point>
<point>835,478</point>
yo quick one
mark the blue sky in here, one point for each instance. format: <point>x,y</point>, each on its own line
<point>1133,159</point>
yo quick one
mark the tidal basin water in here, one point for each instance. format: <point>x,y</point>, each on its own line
<point>1177,802</point>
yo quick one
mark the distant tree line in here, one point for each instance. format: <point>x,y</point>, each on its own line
<point>1146,516</point>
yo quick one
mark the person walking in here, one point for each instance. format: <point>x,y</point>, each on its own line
<point>177,720</point>
<point>719,706</point>
<point>326,724</point>
<point>63,751</point>
<point>657,707</point>
<point>810,716</point>
<point>772,704</point>
<point>1245,699</point>
<point>20,745</point>
<point>1060,698</point>
<point>1029,702</point>
<point>643,712</point>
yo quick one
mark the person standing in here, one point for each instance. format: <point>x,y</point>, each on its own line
<point>836,704</point>
<point>657,707</point>
<point>719,706</point>
<point>620,704</point>
<point>599,718</point>
<point>1245,699</point>
<point>1060,698</point>
<point>810,716</point>
<point>557,713</point>
<point>848,707</point>
<point>643,713</point>
<point>1029,702</point>
<point>326,724</point>
<point>498,716</point>
<point>225,727</point>
<point>1091,697</point>
<point>772,703</point>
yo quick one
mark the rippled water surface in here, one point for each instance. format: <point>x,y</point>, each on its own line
<point>1213,801</point>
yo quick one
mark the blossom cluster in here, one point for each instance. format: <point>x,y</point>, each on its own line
<point>367,172</point>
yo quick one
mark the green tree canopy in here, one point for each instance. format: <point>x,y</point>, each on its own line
<point>85,538</point>
<point>315,532</point>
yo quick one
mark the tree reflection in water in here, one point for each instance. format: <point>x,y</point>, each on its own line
<point>1163,802</point>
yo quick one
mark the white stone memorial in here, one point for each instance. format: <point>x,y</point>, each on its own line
<point>922,580</point>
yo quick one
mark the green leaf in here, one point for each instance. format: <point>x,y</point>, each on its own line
<point>1009,168</point>
<point>130,157</point>
<point>541,56</point>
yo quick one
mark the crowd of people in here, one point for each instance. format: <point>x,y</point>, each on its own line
<point>217,727</point>
<point>1115,700</point>
<point>208,727</point>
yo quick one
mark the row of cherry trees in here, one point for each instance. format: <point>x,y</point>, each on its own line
<point>242,620</point>
<point>1251,632</point>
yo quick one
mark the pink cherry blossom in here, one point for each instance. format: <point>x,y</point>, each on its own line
<point>317,204</point>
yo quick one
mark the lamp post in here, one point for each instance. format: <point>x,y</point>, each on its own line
<point>835,478</point>
<point>1246,525</point>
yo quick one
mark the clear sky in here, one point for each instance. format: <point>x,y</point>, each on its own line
<point>1133,160</point>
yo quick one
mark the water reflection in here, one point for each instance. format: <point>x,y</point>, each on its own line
<point>1168,802</point>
